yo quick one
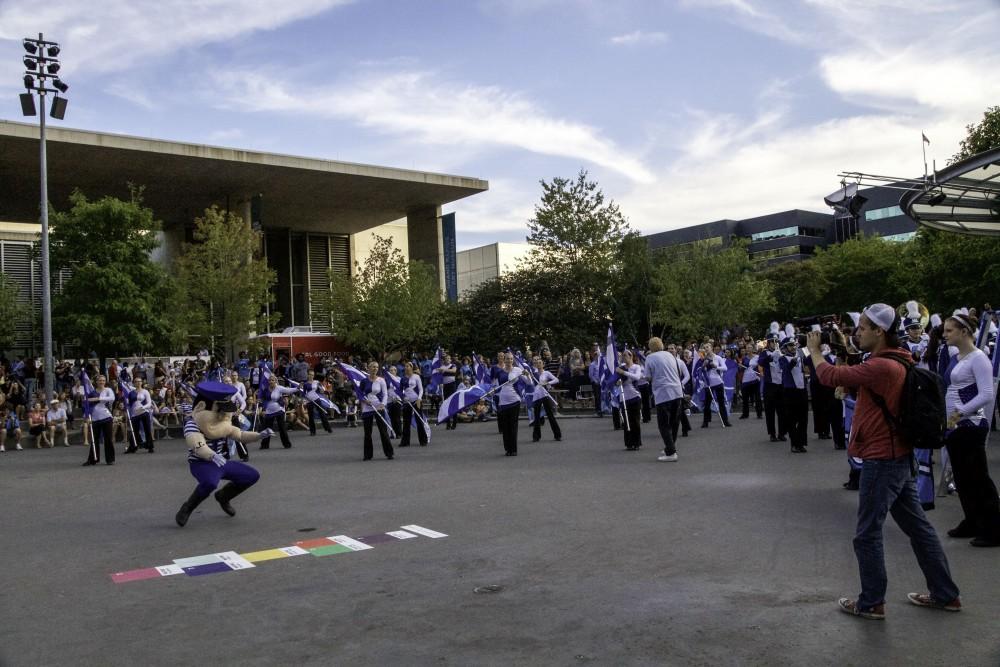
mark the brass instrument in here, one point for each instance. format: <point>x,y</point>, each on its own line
<point>912,309</point>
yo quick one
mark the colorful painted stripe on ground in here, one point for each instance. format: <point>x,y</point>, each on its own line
<point>228,561</point>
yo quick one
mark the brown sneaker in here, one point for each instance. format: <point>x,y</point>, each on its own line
<point>849,606</point>
<point>925,600</point>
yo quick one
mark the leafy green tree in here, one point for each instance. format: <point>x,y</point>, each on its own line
<point>11,312</point>
<point>861,271</point>
<point>481,321</point>
<point>702,288</point>
<point>115,299</point>
<point>632,296</point>
<point>799,290</point>
<point>223,283</point>
<point>947,270</point>
<point>982,136</point>
<point>387,305</point>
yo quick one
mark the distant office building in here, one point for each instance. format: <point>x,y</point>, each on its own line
<point>794,235</point>
<point>477,265</point>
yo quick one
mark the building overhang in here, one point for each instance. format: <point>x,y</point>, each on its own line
<point>180,180</point>
<point>962,198</point>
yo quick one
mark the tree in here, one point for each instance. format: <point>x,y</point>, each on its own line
<point>223,283</point>
<point>948,270</point>
<point>388,304</point>
<point>981,137</point>
<point>702,288</point>
<point>566,289</point>
<point>11,312</point>
<point>861,271</point>
<point>115,298</point>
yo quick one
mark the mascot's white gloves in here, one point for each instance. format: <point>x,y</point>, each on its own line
<point>266,433</point>
<point>218,459</point>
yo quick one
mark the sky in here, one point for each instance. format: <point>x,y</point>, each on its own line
<point>684,111</point>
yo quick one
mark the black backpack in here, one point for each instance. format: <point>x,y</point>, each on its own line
<point>922,415</point>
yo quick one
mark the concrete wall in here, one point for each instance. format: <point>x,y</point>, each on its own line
<point>362,242</point>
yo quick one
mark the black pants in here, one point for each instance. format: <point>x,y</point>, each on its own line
<point>383,434</point>
<point>448,390</point>
<point>772,409</point>
<point>633,430</point>
<point>616,415</point>
<point>143,422</point>
<point>313,411</point>
<point>407,419</point>
<point>822,400</point>
<point>646,394</point>
<point>102,431</point>
<point>549,406</point>
<point>666,422</point>
<point>507,418</point>
<point>596,388</point>
<point>395,411</point>
<point>837,424</point>
<point>976,490</point>
<point>750,391</point>
<point>276,422</point>
<point>719,392</point>
<point>682,418</point>
<point>796,405</point>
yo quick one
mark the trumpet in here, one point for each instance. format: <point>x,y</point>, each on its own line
<point>914,310</point>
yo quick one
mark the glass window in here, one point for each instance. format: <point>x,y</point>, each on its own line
<point>880,213</point>
<point>905,236</point>
<point>775,252</point>
<point>774,234</point>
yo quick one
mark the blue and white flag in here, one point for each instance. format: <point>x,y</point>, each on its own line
<point>355,376</point>
<point>609,361</point>
<point>480,371</point>
<point>437,377</point>
<point>88,391</point>
<point>729,382</point>
<point>459,401</point>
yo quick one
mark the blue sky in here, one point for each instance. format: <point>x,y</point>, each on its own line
<point>685,111</point>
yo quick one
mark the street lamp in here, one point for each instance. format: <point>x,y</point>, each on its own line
<point>41,69</point>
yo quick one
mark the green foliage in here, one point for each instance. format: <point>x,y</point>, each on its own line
<point>858,272</point>
<point>11,312</point>
<point>387,305</point>
<point>223,283</point>
<point>981,137</point>
<point>701,288</point>
<point>948,271</point>
<point>115,299</point>
<point>798,288</point>
<point>482,320</point>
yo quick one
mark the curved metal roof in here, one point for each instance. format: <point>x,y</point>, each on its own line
<point>964,198</point>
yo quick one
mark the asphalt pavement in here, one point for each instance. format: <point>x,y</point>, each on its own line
<point>574,552</point>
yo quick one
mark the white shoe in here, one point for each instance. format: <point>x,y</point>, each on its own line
<point>2,449</point>
<point>664,457</point>
<point>19,448</point>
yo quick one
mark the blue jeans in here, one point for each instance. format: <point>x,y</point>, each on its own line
<point>888,487</point>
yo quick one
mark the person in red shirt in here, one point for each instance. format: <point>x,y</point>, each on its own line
<point>887,484</point>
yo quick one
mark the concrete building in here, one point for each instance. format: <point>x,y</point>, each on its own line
<point>477,265</point>
<point>313,214</point>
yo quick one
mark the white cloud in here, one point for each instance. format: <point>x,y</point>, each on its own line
<point>114,34</point>
<point>131,93</point>
<point>637,37</point>
<point>750,16</point>
<point>419,107</point>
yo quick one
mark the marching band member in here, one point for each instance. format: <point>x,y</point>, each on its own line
<point>313,392</point>
<point>713,366</point>
<point>750,387</point>
<point>542,399</point>
<point>629,373</point>
<point>274,412</point>
<point>373,412</point>
<point>449,377</point>
<point>412,388</point>
<point>768,360</point>
<point>969,395</point>
<point>793,391</point>
<point>505,376</point>
<point>916,340</point>
<point>102,399</point>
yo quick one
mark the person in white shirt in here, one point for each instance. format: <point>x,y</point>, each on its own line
<point>507,376</point>
<point>412,388</point>
<point>629,374</point>
<point>101,399</point>
<point>713,367</point>
<point>750,387</point>
<point>56,420</point>
<point>142,417</point>
<point>395,403</point>
<point>373,412</point>
<point>968,401</point>
<point>664,371</point>
<point>449,377</point>
<point>274,412</point>
<point>542,399</point>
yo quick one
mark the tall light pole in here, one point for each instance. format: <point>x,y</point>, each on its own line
<point>41,69</point>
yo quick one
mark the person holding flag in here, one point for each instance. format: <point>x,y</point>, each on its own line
<point>99,398</point>
<point>140,414</point>
<point>507,378</point>
<point>713,368</point>
<point>541,398</point>
<point>412,390</point>
<point>273,398</point>
<point>395,406</point>
<point>374,394</point>
<point>318,404</point>
<point>629,374</point>
<point>449,377</point>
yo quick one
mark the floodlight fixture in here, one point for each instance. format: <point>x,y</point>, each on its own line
<point>53,51</point>
<point>29,46</point>
<point>29,63</point>
<point>52,68</point>
<point>29,81</point>
<point>936,198</point>
<point>60,86</point>
<point>27,104</point>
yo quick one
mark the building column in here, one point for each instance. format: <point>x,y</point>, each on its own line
<point>425,241</point>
